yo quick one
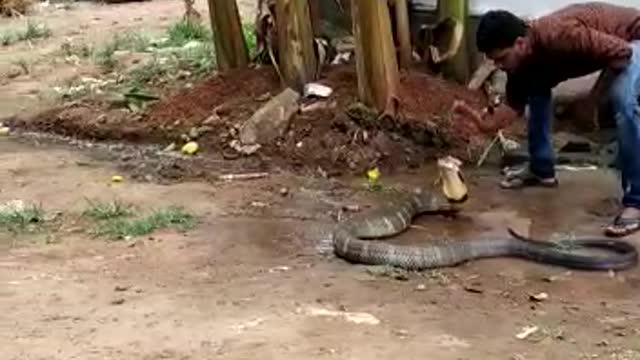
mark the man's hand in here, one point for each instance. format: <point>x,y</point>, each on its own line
<point>489,123</point>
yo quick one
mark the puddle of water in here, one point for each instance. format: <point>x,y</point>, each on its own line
<point>543,213</point>
<point>270,237</point>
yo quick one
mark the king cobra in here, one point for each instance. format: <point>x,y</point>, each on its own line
<point>354,239</point>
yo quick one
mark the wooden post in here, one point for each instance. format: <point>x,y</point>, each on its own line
<point>455,60</point>
<point>403,32</point>
<point>376,62</point>
<point>231,49</point>
<point>297,59</point>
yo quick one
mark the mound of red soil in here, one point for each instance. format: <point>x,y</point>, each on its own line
<point>225,93</point>
<point>329,133</point>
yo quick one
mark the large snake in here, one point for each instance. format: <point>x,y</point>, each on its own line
<point>352,238</point>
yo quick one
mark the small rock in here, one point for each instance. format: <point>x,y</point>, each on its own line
<point>259,204</point>
<point>401,276</point>
<point>401,332</point>
<point>120,288</point>
<point>284,191</point>
<point>271,120</point>
<point>603,343</point>
<point>204,129</point>
<point>211,120</point>
<point>264,97</point>
<point>526,332</point>
<point>475,289</point>
<point>421,287</point>
<point>351,208</point>
<point>194,133</point>
<point>14,72</point>
<point>279,269</point>
<point>117,302</point>
<point>539,297</point>
<point>555,278</point>
<point>244,149</point>
<point>183,74</point>
<point>170,147</point>
<point>315,89</point>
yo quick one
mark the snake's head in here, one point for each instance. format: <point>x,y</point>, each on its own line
<point>451,180</point>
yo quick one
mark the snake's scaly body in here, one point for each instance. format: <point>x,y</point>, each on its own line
<point>351,242</point>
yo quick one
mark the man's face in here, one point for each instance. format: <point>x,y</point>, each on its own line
<point>508,59</point>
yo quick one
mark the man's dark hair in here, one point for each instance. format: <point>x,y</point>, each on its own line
<point>499,29</point>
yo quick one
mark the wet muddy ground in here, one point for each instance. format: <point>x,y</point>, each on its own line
<point>256,276</point>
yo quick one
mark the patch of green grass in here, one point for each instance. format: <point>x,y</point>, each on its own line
<point>7,38</point>
<point>147,72</point>
<point>99,210</point>
<point>184,31</point>
<point>21,219</point>
<point>198,60</point>
<point>33,31</point>
<point>132,226</point>
<point>143,225</point>
<point>104,56</point>
<point>82,50</point>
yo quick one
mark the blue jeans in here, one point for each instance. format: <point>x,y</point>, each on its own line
<point>624,91</point>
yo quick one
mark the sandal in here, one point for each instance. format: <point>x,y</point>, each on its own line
<point>525,178</point>
<point>622,226</point>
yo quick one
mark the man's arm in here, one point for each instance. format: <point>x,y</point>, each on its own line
<point>503,115</point>
<point>517,93</point>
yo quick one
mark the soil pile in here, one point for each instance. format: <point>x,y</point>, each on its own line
<point>334,134</point>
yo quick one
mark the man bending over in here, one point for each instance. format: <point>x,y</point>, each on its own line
<point>537,55</point>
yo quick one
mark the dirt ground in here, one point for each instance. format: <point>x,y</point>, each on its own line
<point>85,21</point>
<point>256,275</point>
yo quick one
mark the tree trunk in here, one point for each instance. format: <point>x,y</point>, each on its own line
<point>231,49</point>
<point>455,60</point>
<point>315,13</point>
<point>403,32</point>
<point>376,62</point>
<point>296,56</point>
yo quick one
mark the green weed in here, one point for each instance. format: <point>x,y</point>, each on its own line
<point>98,210</point>
<point>127,224</point>
<point>22,218</point>
<point>33,31</point>
<point>184,31</point>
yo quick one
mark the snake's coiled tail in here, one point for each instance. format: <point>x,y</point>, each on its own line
<point>349,247</point>
<point>351,241</point>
